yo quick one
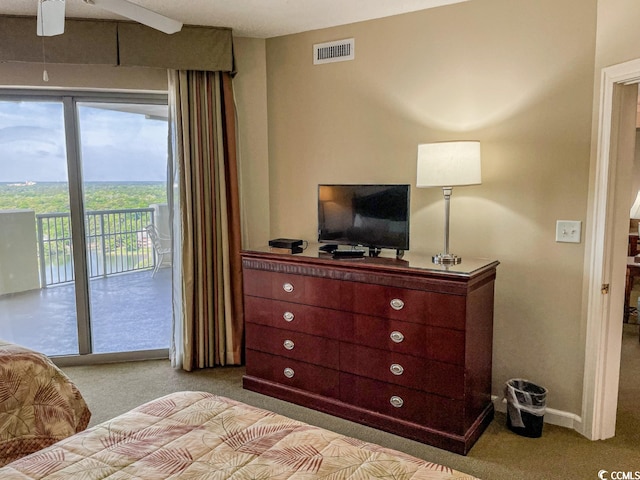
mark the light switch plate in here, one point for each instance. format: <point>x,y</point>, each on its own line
<point>568,231</point>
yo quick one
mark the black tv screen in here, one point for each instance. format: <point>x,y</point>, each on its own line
<point>375,216</point>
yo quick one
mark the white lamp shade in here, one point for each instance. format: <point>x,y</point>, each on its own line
<point>635,208</point>
<point>447,164</point>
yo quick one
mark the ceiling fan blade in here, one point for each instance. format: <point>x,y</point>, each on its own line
<point>50,18</point>
<point>139,14</point>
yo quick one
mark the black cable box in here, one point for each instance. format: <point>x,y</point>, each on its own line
<point>286,250</point>
<point>290,243</point>
<point>348,253</point>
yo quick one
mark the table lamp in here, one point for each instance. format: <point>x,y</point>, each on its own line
<point>447,165</point>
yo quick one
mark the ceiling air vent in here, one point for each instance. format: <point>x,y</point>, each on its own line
<point>338,51</point>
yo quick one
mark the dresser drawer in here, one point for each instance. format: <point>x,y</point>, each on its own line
<point>434,343</point>
<point>320,292</point>
<point>439,378</point>
<point>318,321</point>
<point>408,404</point>
<point>295,345</point>
<point>390,302</point>
<point>415,306</point>
<point>293,373</point>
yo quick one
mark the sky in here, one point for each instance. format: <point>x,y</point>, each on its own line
<point>115,146</point>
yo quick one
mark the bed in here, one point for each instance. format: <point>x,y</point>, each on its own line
<point>39,405</point>
<point>198,435</point>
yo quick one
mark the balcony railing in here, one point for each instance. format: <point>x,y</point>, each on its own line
<point>116,240</point>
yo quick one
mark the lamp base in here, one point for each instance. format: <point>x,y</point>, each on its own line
<point>446,259</point>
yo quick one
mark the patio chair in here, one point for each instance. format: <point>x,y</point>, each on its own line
<point>161,245</point>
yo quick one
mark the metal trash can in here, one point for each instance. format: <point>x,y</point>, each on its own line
<point>526,405</point>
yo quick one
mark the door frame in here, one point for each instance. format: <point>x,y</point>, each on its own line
<point>604,311</point>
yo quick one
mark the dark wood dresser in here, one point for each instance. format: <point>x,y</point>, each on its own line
<point>400,345</point>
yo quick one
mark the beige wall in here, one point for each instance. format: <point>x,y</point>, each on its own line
<point>618,36</point>
<point>250,89</point>
<point>518,76</point>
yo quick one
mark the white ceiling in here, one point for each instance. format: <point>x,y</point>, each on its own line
<point>250,18</point>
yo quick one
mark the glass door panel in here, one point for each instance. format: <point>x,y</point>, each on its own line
<point>37,284</point>
<point>123,156</point>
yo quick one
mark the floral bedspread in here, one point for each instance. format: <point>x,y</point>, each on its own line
<point>39,405</point>
<point>203,436</point>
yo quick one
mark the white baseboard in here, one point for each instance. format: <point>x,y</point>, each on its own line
<point>551,415</point>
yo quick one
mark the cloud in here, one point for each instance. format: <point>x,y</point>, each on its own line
<point>115,145</point>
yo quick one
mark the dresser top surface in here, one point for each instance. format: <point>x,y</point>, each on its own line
<point>411,261</point>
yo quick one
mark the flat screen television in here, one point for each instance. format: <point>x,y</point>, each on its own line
<point>373,216</point>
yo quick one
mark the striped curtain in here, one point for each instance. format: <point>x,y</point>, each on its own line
<point>207,297</point>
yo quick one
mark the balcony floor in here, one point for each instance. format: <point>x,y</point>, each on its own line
<point>129,312</point>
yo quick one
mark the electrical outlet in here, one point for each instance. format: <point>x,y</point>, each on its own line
<point>568,231</point>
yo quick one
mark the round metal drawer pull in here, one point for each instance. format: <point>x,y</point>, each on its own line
<point>288,372</point>
<point>396,401</point>
<point>288,316</point>
<point>288,344</point>
<point>396,336</point>
<point>287,287</point>
<point>396,369</point>
<point>397,304</point>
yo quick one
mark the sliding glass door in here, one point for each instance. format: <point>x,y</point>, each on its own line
<point>35,229</point>
<point>84,181</point>
<point>123,152</point>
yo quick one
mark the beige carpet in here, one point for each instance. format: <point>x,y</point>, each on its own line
<point>499,454</point>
